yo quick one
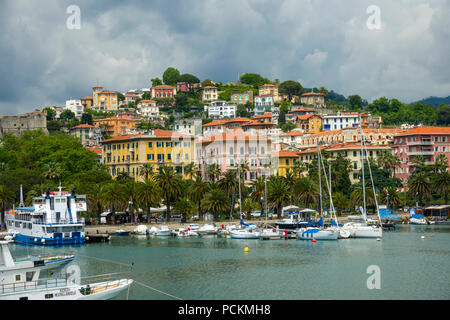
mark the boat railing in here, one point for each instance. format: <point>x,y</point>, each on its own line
<point>45,256</point>
<point>32,285</point>
<point>96,283</point>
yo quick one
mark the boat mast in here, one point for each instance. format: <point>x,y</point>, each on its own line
<point>240,198</point>
<point>320,179</point>
<point>362,168</point>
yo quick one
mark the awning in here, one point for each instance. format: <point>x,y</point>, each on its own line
<point>438,207</point>
<point>162,209</point>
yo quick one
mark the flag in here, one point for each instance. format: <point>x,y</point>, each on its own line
<point>386,191</point>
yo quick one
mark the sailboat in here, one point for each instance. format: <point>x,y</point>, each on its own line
<point>364,230</point>
<point>314,232</point>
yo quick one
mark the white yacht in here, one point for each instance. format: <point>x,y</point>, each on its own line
<point>317,234</point>
<point>20,280</point>
<point>207,229</point>
<point>163,231</point>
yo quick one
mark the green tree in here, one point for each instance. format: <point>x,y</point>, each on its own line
<point>171,76</point>
<point>51,114</point>
<point>419,184</point>
<point>278,193</point>
<point>388,161</point>
<point>290,88</point>
<point>6,197</point>
<point>355,102</point>
<point>148,192</point>
<point>197,193</point>
<point>441,184</point>
<point>170,183</point>
<point>184,206</point>
<point>340,202</point>
<point>189,78</point>
<point>114,197</point>
<point>306,191</point>
<point>146,170</point>
<point>86,118</point>
<point>254,80</point>
<point>155,82</point>
<point>67,115</point>
<point>216,202</point>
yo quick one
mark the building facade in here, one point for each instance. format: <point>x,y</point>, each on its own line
<point>17,124</point>
<point>263,104</point>
<point>220,110</point>
<point>127,154</point>
<point>88,135</point>
<point>148,109</point>
<point>87,102</point>
<point>427,142</point>
<point>116,126</point>
<point>104,100</point>
<point>340,121</point>
<point>76,107</point>
<point>242,97</point>
<point>163,91</point>
<point>313,98</point>
<point>270,90</point>
<point>209,93</point>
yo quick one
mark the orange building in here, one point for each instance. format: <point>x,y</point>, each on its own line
<point>309,122</point>
<point>116,126</point>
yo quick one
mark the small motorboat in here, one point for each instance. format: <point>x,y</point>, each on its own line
<point>185,233</point>
<point>163,231</point>
<point>122,232</point>
<point>362,230</point>
<point>317,234</point>
<point>246,233</point>
<point>269,234</point>
<point>141,230</point>
<point>207,229</point>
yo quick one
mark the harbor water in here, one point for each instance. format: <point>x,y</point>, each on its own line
<point>213,268</point>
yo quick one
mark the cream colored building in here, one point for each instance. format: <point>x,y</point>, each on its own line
<point>270,90</point>
<point>210,93</point>
<point>313,98</point>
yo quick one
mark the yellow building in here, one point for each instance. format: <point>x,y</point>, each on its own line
<point>286,160</point>
<point>158,147</point>
<point>309,123</point>
<point>104,100</point>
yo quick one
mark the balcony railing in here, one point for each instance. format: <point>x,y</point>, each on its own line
<point>420,152</point>
<point>421,142</point>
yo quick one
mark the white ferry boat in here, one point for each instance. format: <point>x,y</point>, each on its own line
<point>54,219</point>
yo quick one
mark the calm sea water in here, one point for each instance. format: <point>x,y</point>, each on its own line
<point>218,268</point>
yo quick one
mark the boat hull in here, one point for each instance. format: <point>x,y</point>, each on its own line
<point>317,235</point>
<point>21,238</point>
<point>244,235</point>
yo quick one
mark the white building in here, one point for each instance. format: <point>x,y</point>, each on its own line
<point>262,104</point>
<point>188,126</point>
<point>220,110</point>
<point>148,109</point>
<point>340,121</point>
<point>76,107</point>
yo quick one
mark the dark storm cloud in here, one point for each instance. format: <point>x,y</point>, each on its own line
<point>123,44</point>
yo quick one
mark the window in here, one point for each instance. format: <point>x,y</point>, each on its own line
<point>150,145</point>
<point>17,277</point>
<point>355,165</point>
<point>186,156</point>
<point>159,144</point>
<point>168,144</point>
<point>287,162</point>
<point>169,156</point>
<point>187,144</point>
<point>30,275</point>
<point>150,156</point>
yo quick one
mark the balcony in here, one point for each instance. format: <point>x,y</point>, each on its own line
<point>421,143</point>
<point>420,152</point>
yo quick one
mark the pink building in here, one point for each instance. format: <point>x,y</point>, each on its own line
<point>130,97</point>
<point>229,149</point>
<point>186,86</point>
<point>428,142</point>
<point>163,91</point>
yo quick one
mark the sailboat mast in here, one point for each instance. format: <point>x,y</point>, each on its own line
<point>240,198</point>
<point>320,179</point>
<point>362,167</point>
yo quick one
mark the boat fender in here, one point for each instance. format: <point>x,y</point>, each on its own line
<point>35,239</point>
<point>43,240</point>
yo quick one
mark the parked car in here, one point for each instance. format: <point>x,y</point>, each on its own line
<point>255,214</point>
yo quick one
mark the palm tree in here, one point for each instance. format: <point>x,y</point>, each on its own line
<point>228,182</point>
<point>216,201</point>
<point>52,171</point>
<point>340,202</point>
<point>114,197</point>
<point>441,162</point>
<point>148,192</point>
<point>243,169</point>
<point>170,184</point>
<point>249,205</point>
<point>394,197</point>
<point>197,193</point>
<point>190,169</point>
<point>214,172</point>
<point>95,197</point>
<point>306,190</point>
<point>441,184</point>
<point>420,184</point>
<point>146,170</point>
<point>257,194</point>
<point>277,193</point>
<point>6,197</point>
<point>357,195</point>
<point>299,168</point>
<point>388,161</point>
<point>184,206</point>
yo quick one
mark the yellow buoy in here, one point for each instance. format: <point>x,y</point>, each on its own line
<point>246,249</point>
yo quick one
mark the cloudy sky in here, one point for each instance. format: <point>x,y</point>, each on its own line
<point>121,45</point>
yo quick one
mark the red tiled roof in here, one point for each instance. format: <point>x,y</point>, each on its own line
<point>97,150</point>
<point>109,92</point>
<point>80,126</point>
<point>209,87</point>
<point>215,123</point>
<point>264,116</point>
<point>238,119</point>
<point>356,146</point>
<point>237,135</point>
<point>313,94</point>
<point>87,98</point>
<point>257,123</point>
<point>427,130</point>
<point>293,133</point>
<point>268,85</point>
<point>286,154</point>
<point>121,138</point>
<point>147,101</point>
